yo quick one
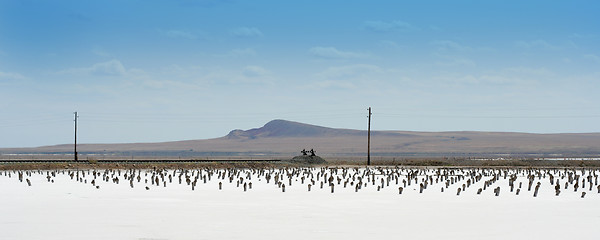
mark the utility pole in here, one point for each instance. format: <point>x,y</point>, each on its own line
<point>75,151</point>
<point>369,140</point>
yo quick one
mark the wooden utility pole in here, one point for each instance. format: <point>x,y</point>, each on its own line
<point>75,150</point>
<point>369,140</point>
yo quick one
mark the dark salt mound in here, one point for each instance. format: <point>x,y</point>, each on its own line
<point>308,159</point>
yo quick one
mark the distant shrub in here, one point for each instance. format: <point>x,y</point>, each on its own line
<point>92,160</point>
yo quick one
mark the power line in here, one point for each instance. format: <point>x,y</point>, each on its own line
<point>487,117</point>
<point>369,139</point>
<point>75,145</point>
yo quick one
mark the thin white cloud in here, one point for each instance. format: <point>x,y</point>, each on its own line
<point>381,26</point>
<point>168,85</point>
<point>352,77</point>
<point>172,77</point>
<point>176,71</point>
<point>333,53</point>
<point>449,61</point>
<point>110,68</point>
<point>9,76</point>
<point>331,84</point>
<point>450,45</point>
<point>508,77</point>
<point>350,71</point>
<point>435,28</point>
<point>176,33</point>
<point>250,74</point>
<point>242,52</point>
<point>485,80</point>
<point>100,52</point>
<point>236,53</point>
<point>576,35</point>
<point>498,80</point>
<point>254,71</point>
<point>390,44</point>
<point>536,44</point>
<point>592,57</point>
<point>468,79</point>
<point>246,32</point>
<point>530,71</point>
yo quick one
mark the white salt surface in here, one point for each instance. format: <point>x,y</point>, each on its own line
<point>67,209</point>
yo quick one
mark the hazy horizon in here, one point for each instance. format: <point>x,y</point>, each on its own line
<point>156,71</point>
<point>300,133</point>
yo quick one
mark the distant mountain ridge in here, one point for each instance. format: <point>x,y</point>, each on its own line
<point>284,128</point>
<point>287,138</point>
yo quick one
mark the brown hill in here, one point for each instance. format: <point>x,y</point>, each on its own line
<point>287,129</point>
<point>285,138</point>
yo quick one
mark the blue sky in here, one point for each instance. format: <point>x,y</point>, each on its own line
<point>155,70</point>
